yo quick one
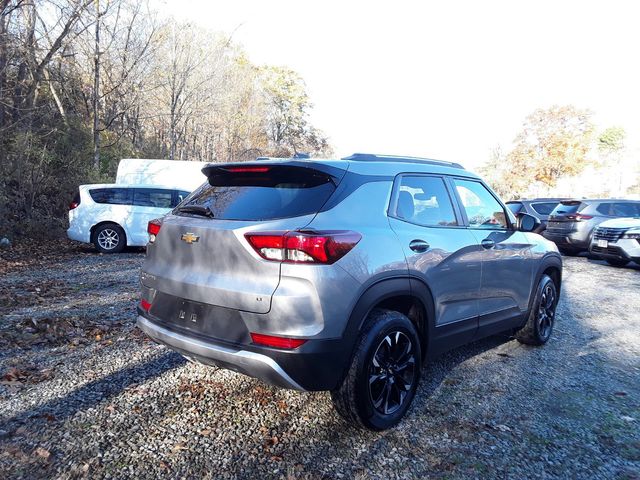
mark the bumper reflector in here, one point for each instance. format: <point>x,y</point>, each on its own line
<point>144,305</point>
<point>277,342</point>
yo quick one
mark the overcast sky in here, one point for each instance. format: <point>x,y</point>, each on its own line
<point>448,79</point>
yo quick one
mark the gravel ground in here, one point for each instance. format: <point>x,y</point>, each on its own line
<point>84,394</point>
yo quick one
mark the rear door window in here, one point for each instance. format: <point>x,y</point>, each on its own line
<point>261,193</point>
<point>153,197</point>
<point>113,196</point>
<point>626,209</point>
<point>481,207</point>
<point>424,200</point>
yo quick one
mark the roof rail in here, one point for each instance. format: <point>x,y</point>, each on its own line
<point>372,157</point>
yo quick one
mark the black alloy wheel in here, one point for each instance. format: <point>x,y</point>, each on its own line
<point>546,311</point>
<point>392,372</point>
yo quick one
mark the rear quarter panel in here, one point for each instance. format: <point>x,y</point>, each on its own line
<point>377,256</point>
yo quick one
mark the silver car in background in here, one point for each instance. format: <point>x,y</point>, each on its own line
<point>572,222</point>
<point>344,275</point>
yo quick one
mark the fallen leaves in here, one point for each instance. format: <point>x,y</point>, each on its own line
<point>178,447</point>
<point>19,376</point>
<point>42,453</point>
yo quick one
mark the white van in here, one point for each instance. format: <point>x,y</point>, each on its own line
<point>112,216</point>
<point>142,171</point>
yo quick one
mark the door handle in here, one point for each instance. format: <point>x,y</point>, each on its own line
<point>487,243</point>
<point>419,246</point>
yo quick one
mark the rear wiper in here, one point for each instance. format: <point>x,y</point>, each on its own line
<point>196,210</point>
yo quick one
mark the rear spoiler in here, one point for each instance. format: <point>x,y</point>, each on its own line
<point>256,168</point>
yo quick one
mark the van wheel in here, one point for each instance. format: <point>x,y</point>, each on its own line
<point>384,372</point>
<point>109,238</point>
<point>541,318</point>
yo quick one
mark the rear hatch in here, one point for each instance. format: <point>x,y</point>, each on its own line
<point>564,216</point>
<point>201,254</point>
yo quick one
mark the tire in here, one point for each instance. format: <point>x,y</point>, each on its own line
<point>541,317</point>
<point>616,262</point>
<point>387,342</point>
<point>109,238</point>
<point>569,252</point>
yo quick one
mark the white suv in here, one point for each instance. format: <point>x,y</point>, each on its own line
<point>617,241</point>
<point>113,216</point>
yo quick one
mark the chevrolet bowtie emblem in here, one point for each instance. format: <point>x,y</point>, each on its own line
<point>189,238</point>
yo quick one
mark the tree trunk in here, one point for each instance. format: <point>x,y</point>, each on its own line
<point>4,20</point>
<point>96,91</point>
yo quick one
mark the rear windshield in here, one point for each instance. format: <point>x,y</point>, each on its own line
<point>261,193</point>
<point>514,207</point>
<point>544,208</point>
<point>567,207</point>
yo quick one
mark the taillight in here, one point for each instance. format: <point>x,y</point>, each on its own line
<point>73,205</point>
<point>153,228</point>
<point>303,247</point>
<point>278,342</point>
<point>144,305</point>
<point>579,217</point>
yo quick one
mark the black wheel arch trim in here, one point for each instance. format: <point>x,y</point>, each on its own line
<point>373,295</point>
<point>551,260</point>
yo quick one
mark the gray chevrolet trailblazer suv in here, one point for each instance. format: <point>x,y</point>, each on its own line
<point>344,275</point>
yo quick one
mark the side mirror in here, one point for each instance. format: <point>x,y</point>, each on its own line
<point>527,223</point>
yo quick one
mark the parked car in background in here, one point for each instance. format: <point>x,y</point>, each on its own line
<point>344,275</point>
<point>185,174</point>
<point>112,216</point>
<point>572,222</point>
<point>617,241</point>
<point>538,207</point>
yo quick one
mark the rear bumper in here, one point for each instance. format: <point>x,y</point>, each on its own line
<point>317,365</point>
<point>74,233</point>
<point>577,240</point>
<point>249,363</point>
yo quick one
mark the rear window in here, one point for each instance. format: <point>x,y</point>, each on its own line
<point>262,193</point>
<point>567,207</point>
<point>544,208</point>
<point>515,207</point>
<point>113,196</point>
